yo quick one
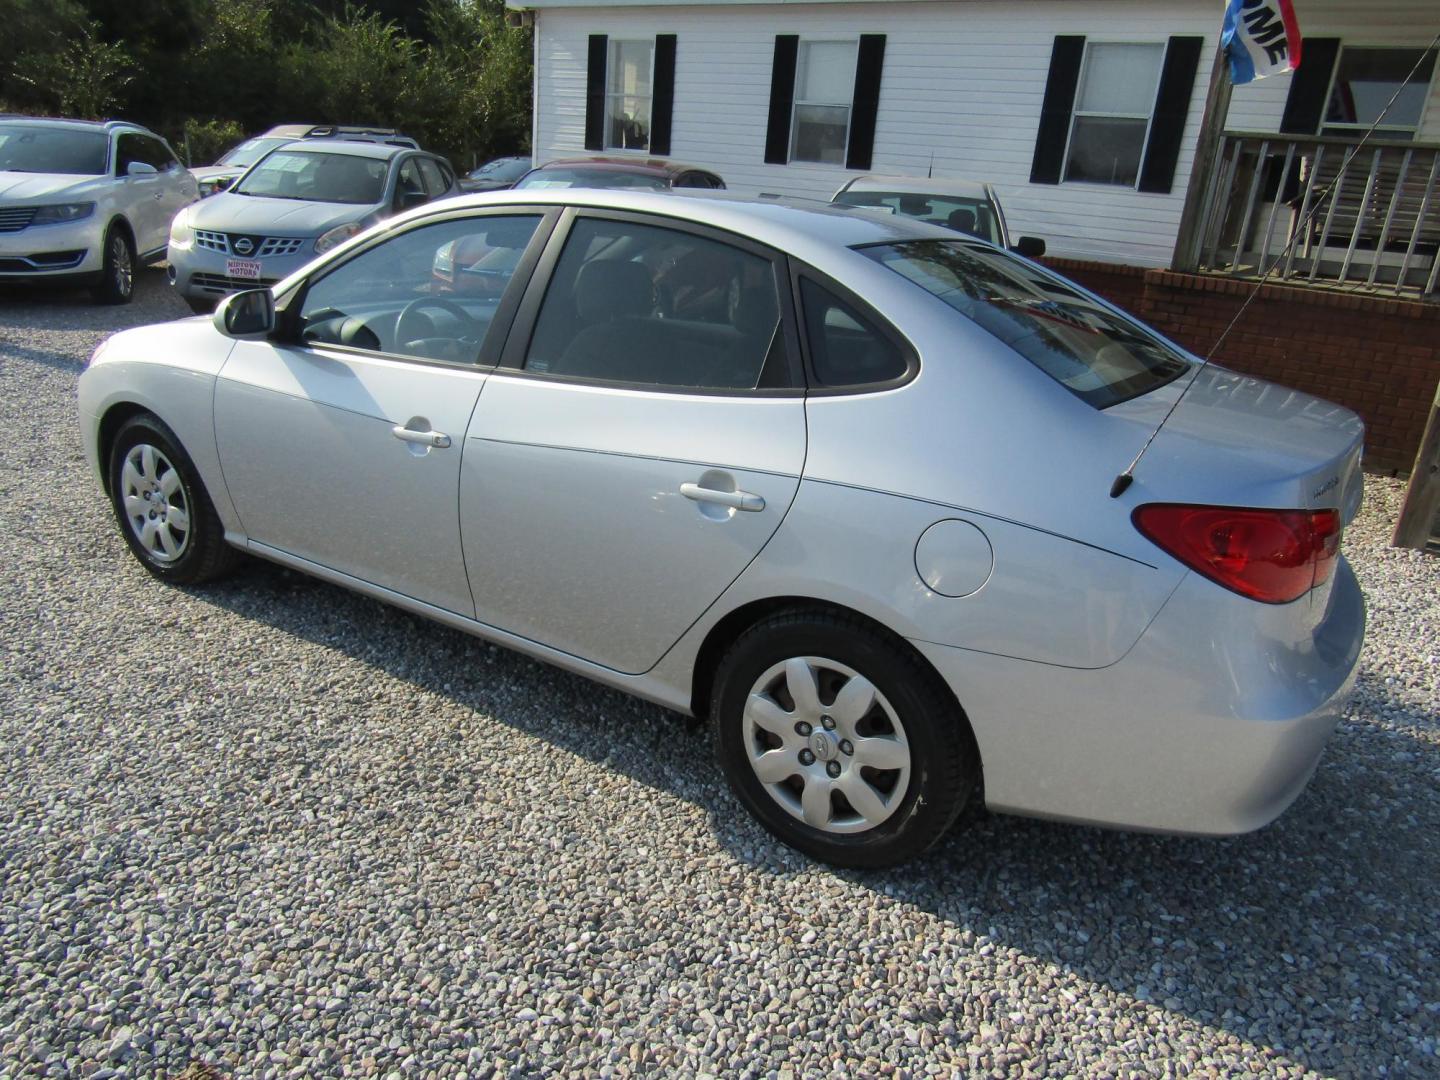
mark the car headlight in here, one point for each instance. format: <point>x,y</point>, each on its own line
<point>336,236</point>
<point>62,212</point>
<point>182,233</point>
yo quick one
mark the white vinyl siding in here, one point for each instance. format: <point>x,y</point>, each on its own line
<point>961,93</point>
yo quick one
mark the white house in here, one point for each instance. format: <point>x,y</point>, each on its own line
<point>1083,114</point>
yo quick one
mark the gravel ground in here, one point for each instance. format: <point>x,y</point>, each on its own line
<point>276,829</point>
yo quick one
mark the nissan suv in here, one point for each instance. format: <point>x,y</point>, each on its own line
<point>84,202</point>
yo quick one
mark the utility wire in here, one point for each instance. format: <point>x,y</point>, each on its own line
<point>1127,477</point>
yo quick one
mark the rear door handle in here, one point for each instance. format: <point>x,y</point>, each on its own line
<point>438,439</point>
<point>736,500</point>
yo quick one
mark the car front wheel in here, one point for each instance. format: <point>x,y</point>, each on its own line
<point>840,741</point>
<point>117,275</point>
<point>161,506</point>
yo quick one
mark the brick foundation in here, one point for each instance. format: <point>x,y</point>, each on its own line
<point>1378,356</point>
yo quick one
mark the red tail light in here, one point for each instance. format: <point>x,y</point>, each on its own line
<point>1273,556</point>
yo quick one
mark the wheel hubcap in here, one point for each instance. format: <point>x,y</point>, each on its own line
<point>124,272</point>
<point>826,745</point>
<point>157,506</point>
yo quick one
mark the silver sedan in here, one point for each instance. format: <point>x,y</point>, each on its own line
<point>840,483</point>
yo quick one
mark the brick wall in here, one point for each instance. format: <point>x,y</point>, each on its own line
<point>1377,356</point>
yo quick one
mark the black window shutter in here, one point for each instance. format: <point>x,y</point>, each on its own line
<point>1309,86</point>
<point>1172,106</point>
<point>663,106</point>
<point>595,93</point>
<point>1065,58</point>
<point>868,64</point>
<point>782,97</point>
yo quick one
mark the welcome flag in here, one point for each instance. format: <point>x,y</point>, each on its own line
<point>1260,38</point>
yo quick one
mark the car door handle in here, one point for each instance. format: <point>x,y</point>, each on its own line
<point>736,500</point>
<point>438,439</point>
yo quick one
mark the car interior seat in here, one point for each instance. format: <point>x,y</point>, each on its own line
<point>962,221</point>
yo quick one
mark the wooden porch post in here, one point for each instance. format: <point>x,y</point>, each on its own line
<point>1417,525</point>
<point>1212,125</point>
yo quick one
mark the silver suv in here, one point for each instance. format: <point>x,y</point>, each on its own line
<point>83,202</point>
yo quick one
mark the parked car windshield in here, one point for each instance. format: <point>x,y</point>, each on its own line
<point>974,216</point>
<point>593,178</point>
<point>33,149</point>
<point>313,177</point>
<point>1093,352</point>
<point>250,151</point>
<point>502,169</point>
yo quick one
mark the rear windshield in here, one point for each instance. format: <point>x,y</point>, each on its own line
<point>312,177</point>
<point>593,178</point>
<point>973,216</point>
<point>502,169</point>
<point>52,150</point>
<point>1097,355</point>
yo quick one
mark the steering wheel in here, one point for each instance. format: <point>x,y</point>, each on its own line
<point>408,312</point>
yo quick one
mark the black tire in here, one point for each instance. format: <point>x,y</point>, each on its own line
<point>943,762</point>
<point>117,276</point>
<point>200,306</point>
<point>201,552</point>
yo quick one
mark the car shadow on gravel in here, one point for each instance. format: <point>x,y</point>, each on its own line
<point>1313,937</point>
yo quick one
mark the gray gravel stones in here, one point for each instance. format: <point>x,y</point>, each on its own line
<point>283,831</point>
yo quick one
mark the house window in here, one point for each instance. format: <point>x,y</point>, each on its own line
<point>628,95</point>
<point>1366,80</point>
<point>824,90</point>
<point>1112,112</point>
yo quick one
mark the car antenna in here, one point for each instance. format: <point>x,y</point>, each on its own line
<point>930,172</point>
<point>1127,476</point>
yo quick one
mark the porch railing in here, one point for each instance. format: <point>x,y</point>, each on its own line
<point>1365,220</point>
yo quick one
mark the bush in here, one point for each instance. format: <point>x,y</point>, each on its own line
<point>203,141</point>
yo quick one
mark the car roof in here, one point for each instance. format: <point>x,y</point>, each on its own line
<point>83,125</point>
<point>919,185</point>
<point>383,151</point>
<point>807,228</point>
<point>644,166</point>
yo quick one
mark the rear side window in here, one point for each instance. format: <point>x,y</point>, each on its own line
<point>435,182</point>
<point>1099,356</point>
<point>846,348</point>
<point>651,306</point>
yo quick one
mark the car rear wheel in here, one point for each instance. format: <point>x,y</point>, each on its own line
<point>117,276</point>
<point>162,508</point>
<point>839,740</point>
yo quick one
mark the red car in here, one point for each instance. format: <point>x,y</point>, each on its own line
<point>653,174</point>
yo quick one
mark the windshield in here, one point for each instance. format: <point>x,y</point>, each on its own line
<point>975,216</point>
<point>593,178</point>
<point>502,169</point>
<point>312,177</point>
<point>1096,354</point>
<point>250,151</point>
<point>24,148</point>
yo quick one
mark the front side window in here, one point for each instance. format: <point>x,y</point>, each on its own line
<point>28,149</point>
<point>628,95</point>
<point>824,91</point>
<point>409,188</point>
<point>1112,112</point>
<point>1366,80</point>
<point>316,177</point>
<point>639,304</point>
<point>435,182</point>
<point>429,292</point>
<point>128,148</point>
<point>1096,354</point>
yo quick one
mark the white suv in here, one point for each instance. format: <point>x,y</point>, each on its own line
<point>83,202</point>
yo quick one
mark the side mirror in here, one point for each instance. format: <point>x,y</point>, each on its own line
<point>140,168</point>
<point>408,200</point>
<point>1032,247</point>
<point>248,315</point>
